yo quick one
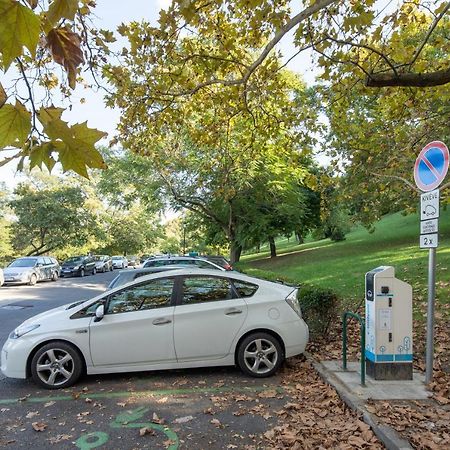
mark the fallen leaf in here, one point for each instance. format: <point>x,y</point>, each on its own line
<point>146,430</point>
<point>39,426</point>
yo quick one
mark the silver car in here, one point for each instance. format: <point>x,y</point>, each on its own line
<point>31,269</point>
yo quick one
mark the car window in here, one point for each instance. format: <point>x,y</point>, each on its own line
<point>41,261</point>
<point>149,295</point>
<point>88,311</point>
<point>205,289</point>
<point>204,265</point>
<point>47,261</point>
<point>245,289</point>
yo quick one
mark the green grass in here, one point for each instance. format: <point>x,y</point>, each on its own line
<point>341,265</point>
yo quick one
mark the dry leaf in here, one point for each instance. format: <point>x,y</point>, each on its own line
<point>39,426</point>
<point>146,430</point>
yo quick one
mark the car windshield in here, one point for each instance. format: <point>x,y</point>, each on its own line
<point>74,259</point>
<point>99,258</point>
<point>24,262</point>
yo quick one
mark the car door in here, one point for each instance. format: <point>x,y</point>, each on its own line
<point>137,327</point>
<point>41,269</point>
<point>208,316</point>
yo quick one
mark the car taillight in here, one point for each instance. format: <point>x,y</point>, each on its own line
<point>292,301</point>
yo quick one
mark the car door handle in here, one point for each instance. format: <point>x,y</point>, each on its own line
<point>161,321</point>
<point>233,311</point>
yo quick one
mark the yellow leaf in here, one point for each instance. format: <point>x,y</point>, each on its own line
<point>19,27</point>
<point>15,125</point>
<point>62,9</point>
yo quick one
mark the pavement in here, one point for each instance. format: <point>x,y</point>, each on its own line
<point>348,385</point>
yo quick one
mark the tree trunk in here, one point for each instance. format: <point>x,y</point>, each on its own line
<point>299,237</point>
<point>273,247</point>
<point>235,252</point>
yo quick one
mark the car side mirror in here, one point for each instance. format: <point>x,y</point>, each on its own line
<point>99,313</point>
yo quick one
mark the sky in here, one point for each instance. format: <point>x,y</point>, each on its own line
<point>109,14</point>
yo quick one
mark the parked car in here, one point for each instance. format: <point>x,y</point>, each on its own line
<point>2,277</point>
<point>133,261</point>
<point>119,262</point>
<point>125,276</point>
<point>191,317</point>
<point>219,260</point>
<point>201,263</point>
<point>144,258</point>
<point>31,269</point>
<point>103,263</point>
<point>78,266</point>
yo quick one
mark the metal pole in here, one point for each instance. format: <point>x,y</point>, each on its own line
<point>430,315</point>
<point>344,342</point>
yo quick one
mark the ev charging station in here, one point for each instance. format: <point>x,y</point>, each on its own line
<point>389,344</point>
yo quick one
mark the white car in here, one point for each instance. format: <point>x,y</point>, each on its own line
<point>168,320</point>
<point>119,262</point>
<point>2,278</point>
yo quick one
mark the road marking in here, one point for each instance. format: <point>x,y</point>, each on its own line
<point>108,395</point>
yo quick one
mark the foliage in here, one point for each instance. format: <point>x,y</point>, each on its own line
<point>130,232</point>
<point>6,250</point>
<point>36,37</point>
<point>50,219</point>
<point>319,308</point>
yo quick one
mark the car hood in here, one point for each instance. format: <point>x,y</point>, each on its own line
<point>10,270</point>
<point>51,313</point>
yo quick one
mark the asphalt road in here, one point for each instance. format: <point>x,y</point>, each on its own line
<point>215,408</point>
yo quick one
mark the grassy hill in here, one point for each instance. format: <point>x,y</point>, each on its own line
<point>341,265</point>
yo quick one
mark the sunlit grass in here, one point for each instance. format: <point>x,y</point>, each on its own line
<point>341,266</point>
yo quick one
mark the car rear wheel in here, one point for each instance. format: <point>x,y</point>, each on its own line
<point>33,279</point>
<point>259,355</point>
<point>56,365</point>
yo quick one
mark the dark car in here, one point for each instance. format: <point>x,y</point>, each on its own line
<point>125,276</point>
<point>78,265</point>
<point>31,269</point>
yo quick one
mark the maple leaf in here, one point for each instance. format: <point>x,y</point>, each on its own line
<point>60,9</point>
<point>75,145</point>
<point>41,154</point>
<point>65,48</point>
<point>15,125</point>
<point>19,27</point>
<point>3,96</point>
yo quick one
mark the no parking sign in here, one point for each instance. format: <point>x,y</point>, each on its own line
<point>430,170</point>
<point>431,166</point>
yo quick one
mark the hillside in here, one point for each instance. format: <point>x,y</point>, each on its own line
<point>341,265</point>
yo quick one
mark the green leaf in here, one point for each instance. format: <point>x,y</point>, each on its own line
<point>15,125</point>
<point>41,154</point>
<point>62,9</point>
<point>75,145</point>
<point>19,27</point>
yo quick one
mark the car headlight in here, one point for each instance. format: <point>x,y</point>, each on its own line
<point>21,330</point>
<point>76,267</point>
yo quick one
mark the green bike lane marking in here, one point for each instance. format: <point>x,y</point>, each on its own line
<point>137,394</point>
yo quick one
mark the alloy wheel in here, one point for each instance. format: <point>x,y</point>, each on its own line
<point>260,356</point>
<point>55,367</point>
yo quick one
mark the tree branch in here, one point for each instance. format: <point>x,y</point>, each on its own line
<point>409,79</point>
<point>395,177</point>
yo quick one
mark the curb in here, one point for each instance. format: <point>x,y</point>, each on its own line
<point>387,435</point>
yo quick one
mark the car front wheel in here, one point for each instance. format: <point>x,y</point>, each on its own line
<point>33,279</point>
<point>54,276</point>
<point>259,355</point>
<point>82,273</point>
<point>56,365</point>
<point>94,271</point>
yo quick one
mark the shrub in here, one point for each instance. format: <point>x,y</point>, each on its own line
<point>319,309</point>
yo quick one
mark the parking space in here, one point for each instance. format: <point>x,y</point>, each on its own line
<point>196,408</point>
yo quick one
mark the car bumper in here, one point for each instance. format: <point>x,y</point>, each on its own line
<point>17,280</point>
<point>296,337</point>
<point>14,357</point>
<point>69,273</point>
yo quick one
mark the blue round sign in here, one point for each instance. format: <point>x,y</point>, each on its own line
<point>431,166</point>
